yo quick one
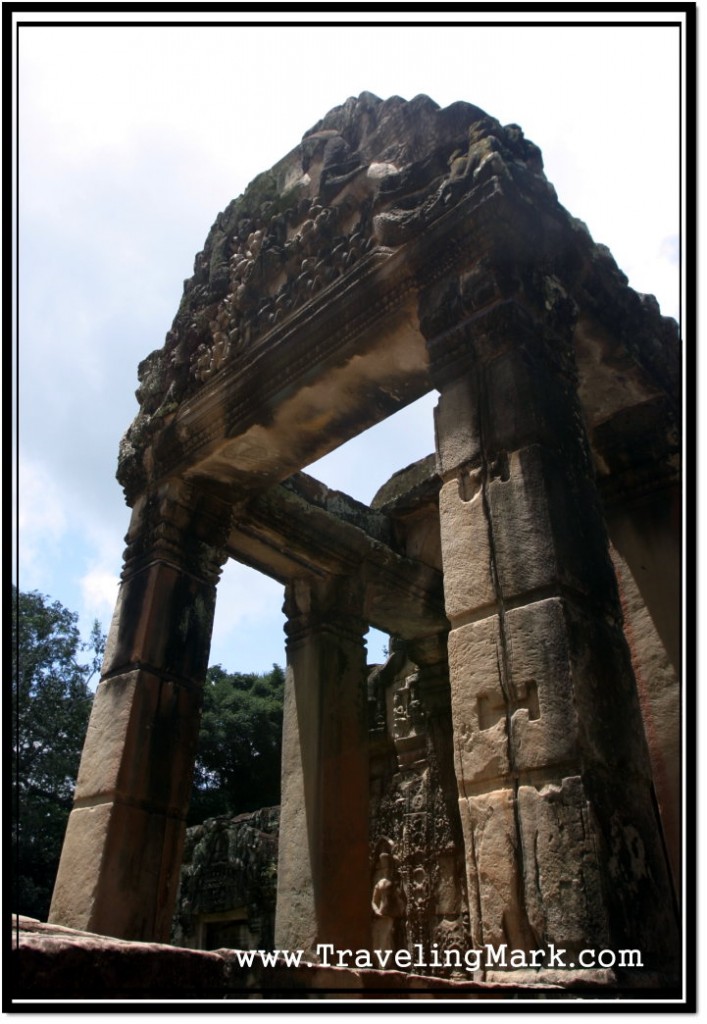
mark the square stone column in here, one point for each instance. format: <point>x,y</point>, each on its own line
<point>122,852</point>
<point>323,888</point>
<point>563,842</point>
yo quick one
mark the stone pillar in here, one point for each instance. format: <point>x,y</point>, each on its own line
<point>122,852</point>
<point>323,893</point>
<point>562,839</point>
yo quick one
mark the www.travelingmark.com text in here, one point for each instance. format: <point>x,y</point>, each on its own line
<point>488,957</point>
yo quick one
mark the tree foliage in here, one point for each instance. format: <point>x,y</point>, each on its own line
<point>240,742</point>
<point>51,703</point>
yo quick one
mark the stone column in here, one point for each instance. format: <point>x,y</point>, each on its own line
<point>323,891</point>
<point>122,852</point>
<point>562,840</point>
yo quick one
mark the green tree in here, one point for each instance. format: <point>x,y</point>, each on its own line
<point>51,703</point>
<point>240,743</point>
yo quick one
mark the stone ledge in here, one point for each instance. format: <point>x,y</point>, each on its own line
<point>54,962</point>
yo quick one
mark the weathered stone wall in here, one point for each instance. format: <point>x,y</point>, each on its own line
<point>227,884</point>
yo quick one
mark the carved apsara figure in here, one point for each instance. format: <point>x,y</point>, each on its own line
<point>388,904</point>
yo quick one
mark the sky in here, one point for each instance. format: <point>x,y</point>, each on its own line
<point>131,139</point>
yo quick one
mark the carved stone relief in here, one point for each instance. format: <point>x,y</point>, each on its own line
<point>228,874</point>
<point>415,841</point>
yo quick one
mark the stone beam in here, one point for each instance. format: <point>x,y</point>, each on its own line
<point>301,528</point>
<point>346,361</point>
<point>348,358</point>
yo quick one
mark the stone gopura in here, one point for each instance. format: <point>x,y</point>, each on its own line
<point>519,780</point>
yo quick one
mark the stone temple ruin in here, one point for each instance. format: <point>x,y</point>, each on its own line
<point>511,774</point>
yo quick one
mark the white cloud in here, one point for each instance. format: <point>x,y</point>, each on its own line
<point>41,521</point>
<point>670,249</point>
<point>98,583</point>
<point>40,507</point>
<point>99,588</point>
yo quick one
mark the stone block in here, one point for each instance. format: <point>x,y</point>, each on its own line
<point>527,401</point>
<point>466,552</point>
<point>457,433</point>
<point>112,653</point>
<point>141,742</point>
<point>163,618</point>
<point>561,875</point>
<point>536,700</point>
<point>544,717</point>
<point>119,872</point>
<point>493,871</point>
<point>139,875</point>
<point>641,903</point>
<point>523,542</point>
<point>479,708</point>
<point>109,727</point>
<point>611,730</point>
<point>546,527</point>
<point>75,893</point>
